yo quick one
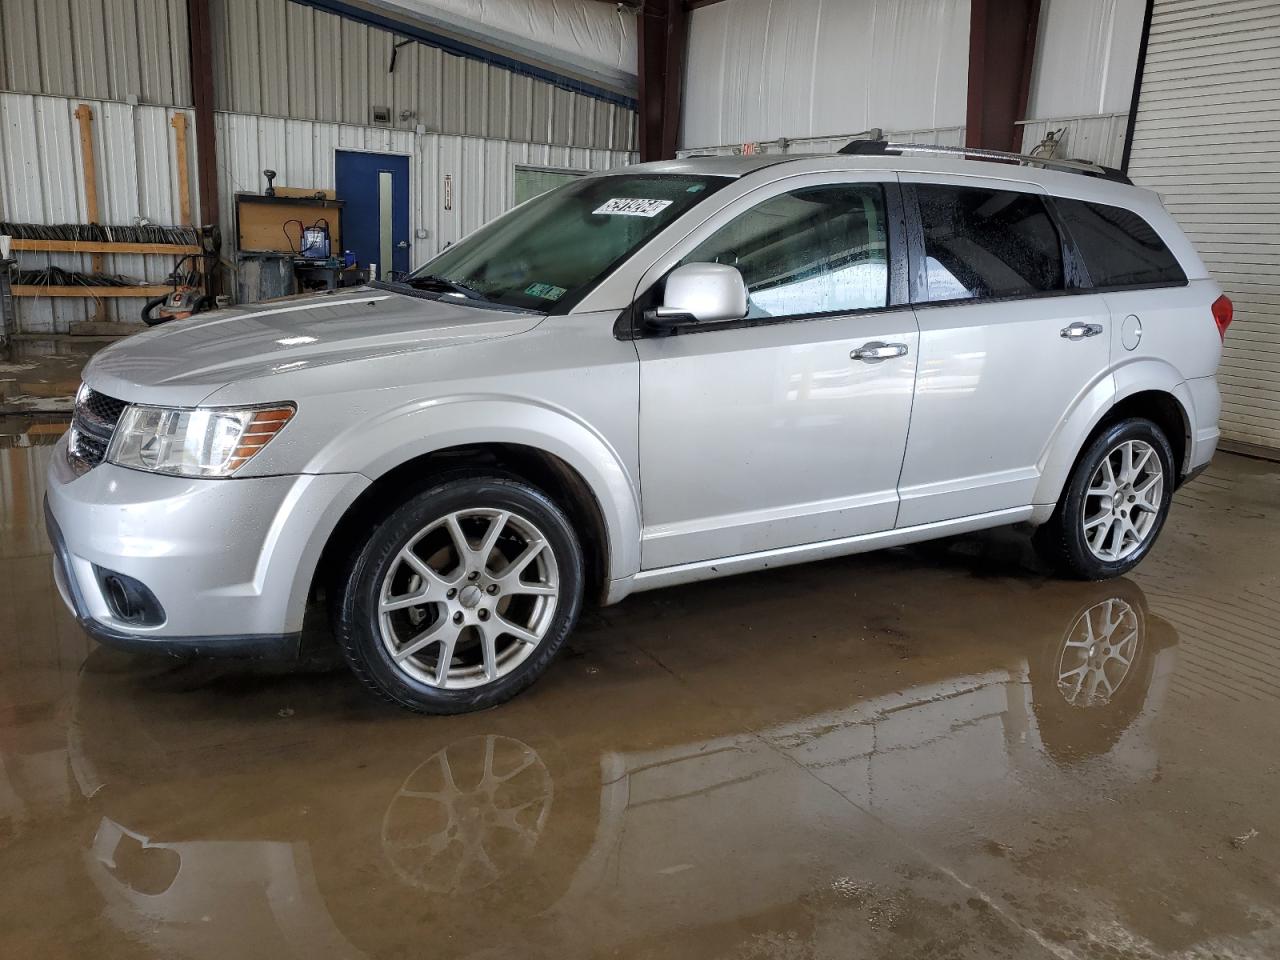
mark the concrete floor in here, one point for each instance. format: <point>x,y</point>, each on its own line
<point>870,757</point>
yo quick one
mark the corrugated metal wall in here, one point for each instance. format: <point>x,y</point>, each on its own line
<point>300,151</point>
<point>100,49</point>
<point>277,59</point>
<point>134,148</point>
<point>1206,138</point>
<point>1082,82</point>
<point>761,69</point>
<point>1098,138</point>
<point>134,151</point>
<point>284,59</point>
<point>481,171</point>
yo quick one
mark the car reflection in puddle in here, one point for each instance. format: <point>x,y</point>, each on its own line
<point>498,836</point>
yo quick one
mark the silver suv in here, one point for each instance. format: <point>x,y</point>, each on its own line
<point>647,377</point>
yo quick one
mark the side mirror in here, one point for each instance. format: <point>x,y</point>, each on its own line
<point>700,293</point>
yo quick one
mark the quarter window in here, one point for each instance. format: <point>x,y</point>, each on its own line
<point>987,243</point>
<point>816,250</point>
<point>1119,248</point>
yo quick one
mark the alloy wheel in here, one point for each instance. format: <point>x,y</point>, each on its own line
<point>1122,503</point>
<point>468,598</point>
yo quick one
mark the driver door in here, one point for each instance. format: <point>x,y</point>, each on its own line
<point>780,429</point>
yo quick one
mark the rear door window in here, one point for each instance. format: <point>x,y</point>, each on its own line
<point>1118,247</point>
<point>981,243</point>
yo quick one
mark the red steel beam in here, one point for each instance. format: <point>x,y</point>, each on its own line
<point>1002,47</point>
<point>202,68</point>
<point>663,38</point>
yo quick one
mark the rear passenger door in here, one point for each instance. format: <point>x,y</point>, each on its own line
<point>1007,348</point>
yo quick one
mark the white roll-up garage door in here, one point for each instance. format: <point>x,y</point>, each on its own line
<point>1207,138</point>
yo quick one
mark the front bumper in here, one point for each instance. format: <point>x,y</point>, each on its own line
<point>230,561</point>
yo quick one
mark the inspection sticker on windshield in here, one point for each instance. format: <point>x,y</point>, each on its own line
<point>632,207</point>
<point>547,291</point>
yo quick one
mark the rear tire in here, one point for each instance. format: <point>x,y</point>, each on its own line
<point>462,596</point>
<point>1114,504</point>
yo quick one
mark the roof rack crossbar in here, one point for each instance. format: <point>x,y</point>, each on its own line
<point>881,147</point>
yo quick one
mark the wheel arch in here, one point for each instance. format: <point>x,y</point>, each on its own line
<point>559,480</point>
<point>1167,412</point>
<point>1151,389</point>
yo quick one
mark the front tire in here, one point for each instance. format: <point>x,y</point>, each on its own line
<point>462,596</point>
<point>1114,504</point>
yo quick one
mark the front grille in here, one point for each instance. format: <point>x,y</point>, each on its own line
<point>101,410</point>
<point>94,422</point>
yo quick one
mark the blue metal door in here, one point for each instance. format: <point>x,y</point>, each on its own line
<point>375,220</point>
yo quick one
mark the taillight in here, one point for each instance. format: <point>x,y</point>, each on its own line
<point>1223,311</point>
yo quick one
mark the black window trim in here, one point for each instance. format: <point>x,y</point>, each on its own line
<point>630,326</point>
<point>1126,287</point>
<point>1075,275</point>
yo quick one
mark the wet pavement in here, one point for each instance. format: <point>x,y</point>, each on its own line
<point>905,754</point>
<point>40,374</point>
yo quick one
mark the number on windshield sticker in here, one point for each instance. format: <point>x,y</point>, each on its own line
<point>632,207</point>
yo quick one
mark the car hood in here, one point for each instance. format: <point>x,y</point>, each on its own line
<point>184,361</point>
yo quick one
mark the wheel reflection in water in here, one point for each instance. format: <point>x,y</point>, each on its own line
<point>1100,650</point>
<point>468,816</point>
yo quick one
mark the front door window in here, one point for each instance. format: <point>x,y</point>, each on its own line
<point>820,249</point>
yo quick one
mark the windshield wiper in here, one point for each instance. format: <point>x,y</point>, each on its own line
<point>443,283</point>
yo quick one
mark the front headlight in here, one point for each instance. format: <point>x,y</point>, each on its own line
<point>199,442</point>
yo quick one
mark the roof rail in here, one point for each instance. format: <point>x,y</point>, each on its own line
<point>886,148</point>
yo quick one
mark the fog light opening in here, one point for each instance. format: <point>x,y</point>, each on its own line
<point>118,599</point>
<point>128,599</point>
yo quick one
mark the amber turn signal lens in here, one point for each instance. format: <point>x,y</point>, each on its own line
<point>264,425</point>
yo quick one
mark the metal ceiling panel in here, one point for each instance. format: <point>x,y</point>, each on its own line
<point>553,40</point>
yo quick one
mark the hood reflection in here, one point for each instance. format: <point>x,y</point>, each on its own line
<point>355,836</point>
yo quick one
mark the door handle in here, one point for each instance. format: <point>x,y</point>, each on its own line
<point>876,351</point>
<point>1079,331</point>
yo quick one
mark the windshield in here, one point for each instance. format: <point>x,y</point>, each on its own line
<point>548,253</point>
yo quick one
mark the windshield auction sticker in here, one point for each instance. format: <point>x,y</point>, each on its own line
<point>632,207</point>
